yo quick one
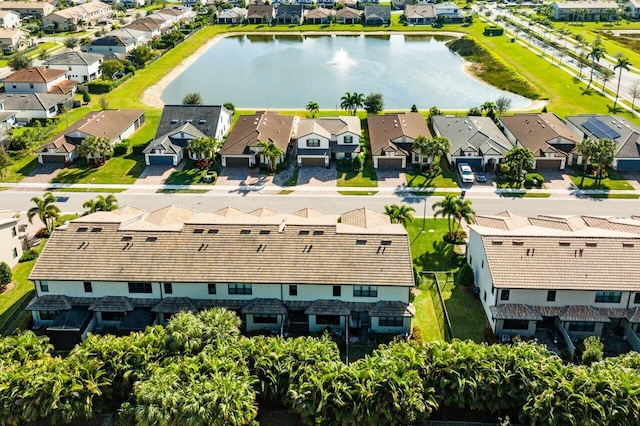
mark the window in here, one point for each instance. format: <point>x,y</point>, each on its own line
<point>391,322</point>
<point>348,139</point>
<point>112,316</point>
<point>313,143</point>
<point>485,295</point>
<point>212,288</point>
<point>293,290</point>
<point>636,298</point>
<point>140,288</point>
<point>365,291</point>
<point>31,85</point>
<point>240,289</point>
<point>582,326</point>
<point>482,264</point>
<point>551,296</point>
<point>608,296</point>
<point>168,288</point>
<point>14,252</point>
<point>504,295</point>
<point>14,232</point>
<point>327,320</point>
<point>265,319</point>
<point>48,315</point>
<point>416,158</point>
<point>361,317</point>
<point>515,325</point>
<point>44,287</point>
<point>88,288</point>
<point>337,291</point>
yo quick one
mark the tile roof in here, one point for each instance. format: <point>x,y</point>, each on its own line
<point>571,5</point>
<point>113,304</point>
<point>205,118</point>
<point>514,311</point>
<point>582,313</point>
<point>328,126</point>
<point>391,308</point>
<point>82,10</point>
<point>581,253</point>
<point>290,11</point>
<point>34,75</point>
<point>170,305</point>
<point>173,244</point>
<point>50,302</point>
<point>234,12</point>
<point>476,135</point>
<point>71,320</point>
<point>169,141</point>
<point>56,147</point>
<point>376,11</point>
<point>139,319</point>
<point>328,307</point>
<point>348,13</point>
<point>265,307</point>
<point>318,13</point>
<point>260,127</point>
<point>259,11</point>
<point>415,11</point>
<point>387,128</point>
<point>74,58</point>
<point>534,131</point>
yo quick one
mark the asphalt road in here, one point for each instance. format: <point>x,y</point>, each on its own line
<point>335,204</point>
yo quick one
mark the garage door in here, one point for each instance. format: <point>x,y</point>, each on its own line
<point>628,165</point>
<point>395,163</point>
<point>156,160</point>
<point>53,158</point>
<point>313,161</point>
<point>548,164</point>
<point>474,163</point>
<point>237,162</point>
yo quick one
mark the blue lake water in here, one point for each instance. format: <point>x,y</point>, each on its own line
<point>257,71</point>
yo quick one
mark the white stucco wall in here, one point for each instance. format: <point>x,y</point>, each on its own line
<point>9,243</point>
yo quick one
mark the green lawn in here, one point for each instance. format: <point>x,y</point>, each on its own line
<point>347,177</point>
<point>117,170</point>
<point>21,167</point>
<point>446,179</point>
<point>614,182</point>
<point>189,175</point>
<point>467,317</point>
<point>357,192</point>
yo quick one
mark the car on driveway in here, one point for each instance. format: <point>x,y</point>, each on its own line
<point>466,173</point>
<point>481,177</point>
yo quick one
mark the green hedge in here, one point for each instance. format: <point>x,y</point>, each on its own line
<point>99,87</point>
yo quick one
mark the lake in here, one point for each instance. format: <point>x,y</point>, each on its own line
<point>287,72</point>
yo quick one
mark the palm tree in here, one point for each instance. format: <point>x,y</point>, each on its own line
<point>313,108</point>
<point>596,53</point>
<point>605,76</point>
<point>399,214</point>
<point>519,159</point>
<point>101,204</point>
<point>454,209</point>
<point>489,108</point>
<point>346,102</point>
<point>440,146</point>
<point>352,101</point>
<point>603,154</point>
<point>271,152</point>
<point>45,210</point>
<point>586,147</point>
<point>623,64</point>
<point>422,147</point>
<point>202,148</point>
<point>96,149</point>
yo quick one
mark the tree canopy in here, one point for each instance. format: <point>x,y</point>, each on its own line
<point>193,98</point>
<point>374,103</point>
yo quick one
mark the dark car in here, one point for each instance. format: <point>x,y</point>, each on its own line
<point>481,177</point>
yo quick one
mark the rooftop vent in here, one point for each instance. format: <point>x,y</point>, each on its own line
<point>126,238</point>
<point>97,229</point>
<point>265,232</point>
<point>591,244</point>
<point>361,242</point>
<point>281,227</point>
<point>212,231</point>
<point>318,232</point>
<point>151,239</point>
<point>565,243</point>
<point>174,121</point>
<point>245,231</point>
<point>628,245</point>
<point>188,121</point>
<point>83,229</point>
<point>385,242</point>
<point>517,243</point>
<point>202,121</point>
<point>198,231</point>
<point>496,243</point>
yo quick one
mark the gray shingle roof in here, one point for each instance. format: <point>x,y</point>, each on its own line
<point>514,311</point>
<point>328,307</point>
<point>265,307</point>
<point>628,142</point>
<point>70,320</point>
<point>113,304</point>
<point>74,58</point>
<point>203,117</point>
<point>139,319</point>
<point>50,302</point>
<point>479,135</point>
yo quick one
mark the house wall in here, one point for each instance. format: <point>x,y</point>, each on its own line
<point>564,298</point>
<point>377,328</point>
<point>477,259</point>
<point>19,87</point>
<point>499,329</point>
<point>340,139</point>
<point>68,157</point>
<point>324,142</point>
<point>28,115</point>
<point>253,326</point>
<point>10,243</point>
<point>315,328</point>
<point>12,20</point>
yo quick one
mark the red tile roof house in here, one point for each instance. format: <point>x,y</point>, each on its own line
<point>546,135</point>
<point>241,147</point>
<point>115,125</point>
<point>39,80</point>
<point>392,136</point>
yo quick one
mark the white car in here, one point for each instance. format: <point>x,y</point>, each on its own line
<point>466,174</point>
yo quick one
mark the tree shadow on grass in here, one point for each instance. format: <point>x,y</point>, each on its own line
<point>440,257</point>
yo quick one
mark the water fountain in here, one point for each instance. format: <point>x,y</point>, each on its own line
<point>341,59</point>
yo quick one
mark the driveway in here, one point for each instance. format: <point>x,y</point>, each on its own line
<point>243,176</point>
<point>44,173</point>
<point>157,175</point>
<point>633,177</point>
<point>391,178</point>
<point>318,176</point>
<point>558,179</point>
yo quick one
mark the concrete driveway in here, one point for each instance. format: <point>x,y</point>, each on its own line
<point>633,177</point>
<point>557,179</point>
<point>157,175</point>
<point>243,176</point>
<point>44,173</point>
<point>391,178</point>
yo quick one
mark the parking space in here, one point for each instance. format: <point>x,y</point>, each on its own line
<point>391,178</point>
<point>317,176</point>
<point>242,176</point>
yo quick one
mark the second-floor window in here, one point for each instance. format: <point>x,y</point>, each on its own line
<point>348,139</point>
<point>608,296</point>
<point>240,289</point>
<point>211,288</point>
<point>365,291</point>
<point>168,288</point>
<point>293,290</point>
<point>313,143</point>
<point>504,295</point>
<point>88,288</point>
<point>44,287</point>
<point>337,291</point>
<point>636,298</point>
<point>551,296</point>
<point>140,288</point>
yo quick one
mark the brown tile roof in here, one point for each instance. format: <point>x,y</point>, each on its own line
<point>260,10</point>
<point>582,313</point>
<point>391,308</point>
<point>160,247</point>
<point>50,302</point>
<point>328,307</point>
<point>170,305</point>
<point>101,124</point>
<point>260,127</point>
<point>533,131</point>
<point>348,13</point>
<point>63,87</point>
<point>318,13</point>
<point>34,75</point>
<point>515,311</point>
<point>59,146</point>
<point>265,307</point>
<point>387,128</point>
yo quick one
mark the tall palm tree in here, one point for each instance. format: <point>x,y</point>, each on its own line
<point>440,146</point>
<point>422,147</point>
<point>271,152</point>
<point>605,76</point>
<point>622,64</point>
<point>346,102</point>
<point>391,211</point>
<point>101,204</point>
<point>352,101</point>
<point>489,108</point>
<point>596,53</point>
<point>586,147</point>
<point>45,210</point>
<point>603,154</point>
<point>313,108</point>
<point>455,210</point>
<point>404,215</point>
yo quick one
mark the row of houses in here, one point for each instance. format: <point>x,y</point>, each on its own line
<point>373,14</point>
<point>577,274</point>
<point>128,268</point>
<point>72,18</point>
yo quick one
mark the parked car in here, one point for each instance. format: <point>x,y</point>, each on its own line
<point>481,177</point>
<point>466,174</point>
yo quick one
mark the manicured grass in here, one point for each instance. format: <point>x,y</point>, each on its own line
<point>465,312</point>
<point>446,179</point>
<point>22,165</point>
<point>435,193</point>
<point>426,317</point>
<point>182,191</point>
<point>620,196</point>
<point>42,46</point>
<point>117,170</point>
<point>347,177</point>
<point>614,182</point>
<point>189,175</point>
<point>110,190</point>
<point>285,192</point>
<point>428,249</point>
<point>357,192</point>
<point>293,180</point>
<point>147,131</point>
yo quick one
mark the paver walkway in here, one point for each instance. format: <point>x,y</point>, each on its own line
<point>44,173</point>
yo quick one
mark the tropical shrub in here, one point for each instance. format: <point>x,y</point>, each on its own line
<point>28,255</point>
<point>533,179</point>
<point>464,276</point>
<point>120,149</point>
<point>5,275</point>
